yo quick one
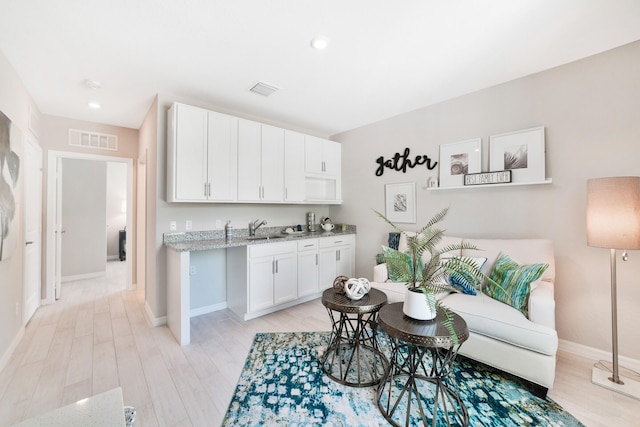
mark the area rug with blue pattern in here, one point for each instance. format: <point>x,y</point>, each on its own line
<point>283,384</point>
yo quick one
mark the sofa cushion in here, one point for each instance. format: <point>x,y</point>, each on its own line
<point>400,266</point>
<point>465,283</point>
<point>514,282</point>
<point>493,319</point>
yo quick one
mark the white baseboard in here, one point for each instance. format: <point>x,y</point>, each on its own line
<point>12,347</point>
<point>596,354</point>
<point>154,321</point>
<point>65,279</point>
<point>207,309</point>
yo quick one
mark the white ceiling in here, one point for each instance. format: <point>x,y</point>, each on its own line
<point>384,57</point>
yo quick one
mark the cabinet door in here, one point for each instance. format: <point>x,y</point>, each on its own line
<point>344,261</point>
<point>285,278</point>
<point>332,157</point>
<point>294,184</point>
<point>272,164</point>
<point>261,283</point>
<point>313,155</point>
<point>249,160</point>
<point>326,267</point>
<point>307,273</point>
<point>190,153</point>
<point>223,157</point>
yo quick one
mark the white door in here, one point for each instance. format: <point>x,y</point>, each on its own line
<point>58,231</point>
<point>32,228</point>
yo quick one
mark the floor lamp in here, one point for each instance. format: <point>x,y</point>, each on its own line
<point>613,222</point>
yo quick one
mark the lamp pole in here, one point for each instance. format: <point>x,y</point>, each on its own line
<point>614,320</point>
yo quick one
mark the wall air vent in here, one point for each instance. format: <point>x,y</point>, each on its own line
<point>263,89</point>
<point>100,141</point>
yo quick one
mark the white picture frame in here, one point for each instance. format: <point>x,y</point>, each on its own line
<point>522,152</point>
<point>400,202</point>
<point>458,159</point>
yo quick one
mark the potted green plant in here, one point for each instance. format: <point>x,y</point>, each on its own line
<point>425,282</point>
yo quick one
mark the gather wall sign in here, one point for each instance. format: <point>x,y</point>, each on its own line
<point>400,162</point>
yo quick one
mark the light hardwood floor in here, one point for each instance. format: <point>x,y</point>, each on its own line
<point>96,338</point>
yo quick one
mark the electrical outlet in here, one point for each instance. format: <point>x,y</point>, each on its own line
<point>188,225</point>
<point>173,226</point>
<point>17,309</point>
<point>218,224</point>
<point>193,270</point>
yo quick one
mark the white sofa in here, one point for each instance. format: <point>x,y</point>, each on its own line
<point>499,335</point>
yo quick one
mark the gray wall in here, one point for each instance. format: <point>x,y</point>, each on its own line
<point>590,109</point>
<point>84,207</point>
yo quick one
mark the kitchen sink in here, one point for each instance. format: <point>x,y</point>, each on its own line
<point>252,238</point>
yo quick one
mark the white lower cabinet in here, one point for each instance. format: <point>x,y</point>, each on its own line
<point>267,277</point>
<point>336,258</point>
<point>307,267</point>
<point>260,277</point>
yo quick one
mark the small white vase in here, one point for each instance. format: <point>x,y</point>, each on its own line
<point>416,306</point>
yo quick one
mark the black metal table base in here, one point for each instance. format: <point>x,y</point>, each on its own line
<point>417,387</point>
<point>352,357</point>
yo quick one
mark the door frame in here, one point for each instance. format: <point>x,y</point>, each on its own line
<point>32,141</point>
<point>52,205</point>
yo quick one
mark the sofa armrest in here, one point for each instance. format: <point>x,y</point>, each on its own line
<point>380,273</point>
<point>542,305</point>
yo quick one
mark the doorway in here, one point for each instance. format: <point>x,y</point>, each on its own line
<point>55,216</point>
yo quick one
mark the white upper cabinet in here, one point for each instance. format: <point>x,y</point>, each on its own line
<point>201,155</point>
<point>260,162</point>
<point>323,181</point>
<point>293,166</point>
<point>322,156</point>
<point>214,157</point>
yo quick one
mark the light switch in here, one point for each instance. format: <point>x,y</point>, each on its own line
<point>172,226</point>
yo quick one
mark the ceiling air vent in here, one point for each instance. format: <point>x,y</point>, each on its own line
<point>101,141</point>
<point>263,89</point>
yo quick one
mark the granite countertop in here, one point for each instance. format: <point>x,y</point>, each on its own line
<point>102,410</point>
<point>205,240</point>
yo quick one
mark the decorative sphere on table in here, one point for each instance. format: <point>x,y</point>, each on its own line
<point>338,284</point>
<point>357,288</point>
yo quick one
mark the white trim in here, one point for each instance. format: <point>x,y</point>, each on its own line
<point>596,354</point>
<point>85,276</point>
<point>207,309</point>
<point>153,321</point>
<point>12,347</point>
<point>52,158</point>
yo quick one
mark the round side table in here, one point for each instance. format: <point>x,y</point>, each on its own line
<point>416,386</point>
<point>352,356</point>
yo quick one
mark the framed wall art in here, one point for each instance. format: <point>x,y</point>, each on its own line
<point>400,202</point>
<point>458,159</point>
<point>522,152</point>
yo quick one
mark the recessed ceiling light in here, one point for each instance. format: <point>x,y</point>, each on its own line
<point>92,84</point>
<point>319,42</point>
<point>95,105</point>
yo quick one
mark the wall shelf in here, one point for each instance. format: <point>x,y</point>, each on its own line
<point>508,184</point>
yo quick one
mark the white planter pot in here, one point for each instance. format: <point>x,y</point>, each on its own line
<point>416,306</point>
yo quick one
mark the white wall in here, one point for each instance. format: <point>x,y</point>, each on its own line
<point>590,109</point>
<point>16,104</point>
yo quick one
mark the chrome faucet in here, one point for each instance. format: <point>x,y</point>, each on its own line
<point>253,226</point>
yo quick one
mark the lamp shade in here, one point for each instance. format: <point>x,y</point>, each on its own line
<point>613,212</point>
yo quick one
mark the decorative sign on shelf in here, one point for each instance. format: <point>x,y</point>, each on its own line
<point>400,162</point>
<point>498,177</point>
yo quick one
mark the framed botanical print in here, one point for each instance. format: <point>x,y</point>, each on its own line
<point>400,202</point>
<point>522,152</point>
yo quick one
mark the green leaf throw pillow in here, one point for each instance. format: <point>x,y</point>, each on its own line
<point>515,282</point>
<point>400,266</point>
